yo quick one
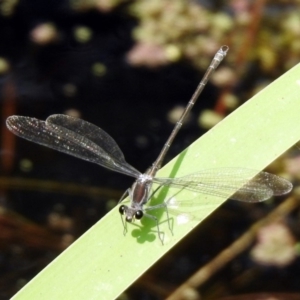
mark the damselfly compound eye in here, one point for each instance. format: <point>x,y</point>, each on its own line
<point>122,209</point>
<point>139,214</point>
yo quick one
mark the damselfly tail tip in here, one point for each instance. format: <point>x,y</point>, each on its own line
<point>224,49</point>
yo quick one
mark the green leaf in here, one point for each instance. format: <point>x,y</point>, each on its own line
<point>103,262</point>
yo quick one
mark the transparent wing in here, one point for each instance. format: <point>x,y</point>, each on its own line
<point>90,132</point>
<point>75,137</point>
<point>253,186</point>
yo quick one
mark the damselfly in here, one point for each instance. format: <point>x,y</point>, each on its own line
<point>87,141</point>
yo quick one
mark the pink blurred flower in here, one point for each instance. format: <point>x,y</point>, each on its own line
<point>44,34</point>
<point>149,55</point>
<point>275,246</point>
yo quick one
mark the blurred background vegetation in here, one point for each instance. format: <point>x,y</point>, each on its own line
<point>130,67</point>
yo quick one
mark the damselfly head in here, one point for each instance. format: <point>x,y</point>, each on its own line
<point>130,214</point>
